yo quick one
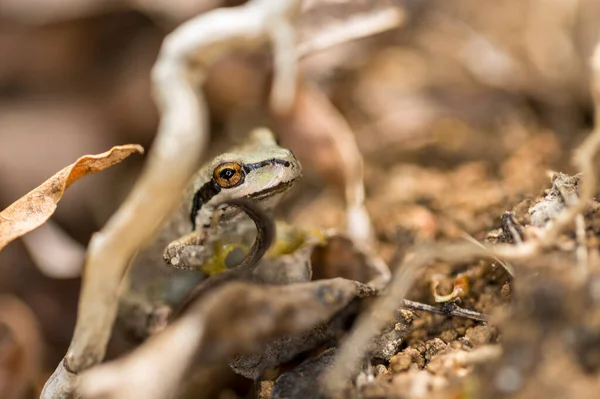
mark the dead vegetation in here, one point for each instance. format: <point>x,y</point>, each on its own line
<point>450,165</point>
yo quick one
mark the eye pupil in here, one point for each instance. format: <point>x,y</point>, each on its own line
<point>227,173</point>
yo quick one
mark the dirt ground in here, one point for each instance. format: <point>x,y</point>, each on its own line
<point>468,117</point>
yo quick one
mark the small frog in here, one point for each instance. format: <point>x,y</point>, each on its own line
<point>259,171</point>
<point>200,235</point>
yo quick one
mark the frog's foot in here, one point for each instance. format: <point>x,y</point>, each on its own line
<point>188,252</point>
<point>189,257</point>
<point>209,259</point>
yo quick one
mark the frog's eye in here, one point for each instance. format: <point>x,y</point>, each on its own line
<point>228,174</point>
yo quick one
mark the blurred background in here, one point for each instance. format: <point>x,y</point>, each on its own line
<point>459,109</point>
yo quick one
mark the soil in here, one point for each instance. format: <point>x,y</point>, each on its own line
<point>468,117</point>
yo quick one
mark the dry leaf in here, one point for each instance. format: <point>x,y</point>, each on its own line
<point>236,318</point>
<point>34,208</point>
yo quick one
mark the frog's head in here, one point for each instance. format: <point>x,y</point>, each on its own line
<point>259,170</point>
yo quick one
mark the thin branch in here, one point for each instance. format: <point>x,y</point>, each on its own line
<point>283,91</point>
<point>356,27</point>
<point>180,141</point>
<point>507,266</point>
<point>209,332</point>
<point>147,372</point>
<point>449,309</point>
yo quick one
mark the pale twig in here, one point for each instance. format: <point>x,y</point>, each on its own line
<point>507,266</point>
<point>359,226</point>
<point>461,358</point>
<point>283,91</point>
<point>209,332</point>
<point>356,27</point>
<point>369,324</point>
<point>153,370</point>
<point>181,139</point>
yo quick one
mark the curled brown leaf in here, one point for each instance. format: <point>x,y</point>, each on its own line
<point>34,208</point>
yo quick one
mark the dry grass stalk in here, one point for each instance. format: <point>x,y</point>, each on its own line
<point>181,138</point>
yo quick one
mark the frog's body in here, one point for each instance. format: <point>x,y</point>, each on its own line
<point>199,236</point>
<point>260,171</point>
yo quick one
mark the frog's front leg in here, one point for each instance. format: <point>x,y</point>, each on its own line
<point>189,252</point>
<point>195,252</point>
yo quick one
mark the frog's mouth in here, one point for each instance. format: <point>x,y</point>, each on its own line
<point>271,191</point>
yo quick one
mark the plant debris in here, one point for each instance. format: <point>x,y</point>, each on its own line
<point>442,243</point>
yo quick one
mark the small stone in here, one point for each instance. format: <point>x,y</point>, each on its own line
<point>480,335</point>
<point>448,335</point>
<point>433,346</point>
<point>419,346</point>
<point>400,362</point>
<point>418,323</point>
<point>436,365</point>
<point>416,356</point>
<point>460,330</point>
<point>456,344</point>
<point>407,315</point>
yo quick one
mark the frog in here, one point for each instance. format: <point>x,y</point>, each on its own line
<point>260,171</point>
<point>202,237</point>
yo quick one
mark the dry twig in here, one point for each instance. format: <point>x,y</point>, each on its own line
<point>448,309</point>
<point>252,318</point>
<point>181,138</point>
<point>356,27</point>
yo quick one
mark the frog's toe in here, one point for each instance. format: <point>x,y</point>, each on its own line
<point>171,257</point>
<point>175,257</point>
<point>171,260</point>
<point>189,257</point>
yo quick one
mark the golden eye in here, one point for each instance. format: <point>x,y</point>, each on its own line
<point>228,174</point>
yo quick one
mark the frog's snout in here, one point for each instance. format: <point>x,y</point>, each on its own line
<point>294,163</point>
